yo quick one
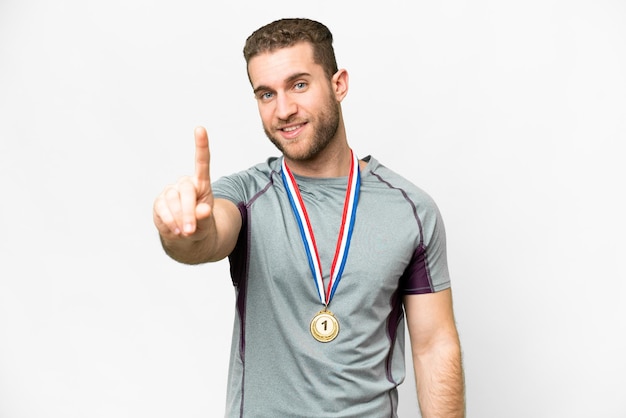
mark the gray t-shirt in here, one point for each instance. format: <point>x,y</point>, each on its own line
<point>277,369</point>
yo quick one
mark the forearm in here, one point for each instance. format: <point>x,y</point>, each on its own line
<point>440,381</point>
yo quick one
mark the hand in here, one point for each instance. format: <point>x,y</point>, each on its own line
<point>183,210</point>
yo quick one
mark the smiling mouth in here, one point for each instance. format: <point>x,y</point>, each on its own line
<point>292,128</point>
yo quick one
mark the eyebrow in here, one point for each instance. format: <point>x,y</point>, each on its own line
<point>289,79</point>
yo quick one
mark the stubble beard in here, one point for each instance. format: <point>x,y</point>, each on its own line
<point>328,124</point>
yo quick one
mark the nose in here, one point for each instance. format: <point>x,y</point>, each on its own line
<point>285,107</point>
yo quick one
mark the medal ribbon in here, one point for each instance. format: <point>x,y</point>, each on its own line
<point>306,231</point>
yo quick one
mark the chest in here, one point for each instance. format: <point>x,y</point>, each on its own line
<point>382,242</point>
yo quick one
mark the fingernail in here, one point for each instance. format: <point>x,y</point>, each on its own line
<point>188,228</point>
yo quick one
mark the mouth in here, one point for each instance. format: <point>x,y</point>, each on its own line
<point>292,131</point>
<point>290,128</point>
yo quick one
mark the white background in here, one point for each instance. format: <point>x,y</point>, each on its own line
<point>510,114</point>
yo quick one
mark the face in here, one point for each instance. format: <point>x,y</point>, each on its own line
<point>298,105</point>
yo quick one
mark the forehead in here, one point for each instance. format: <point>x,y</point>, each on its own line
<point>271,68</point>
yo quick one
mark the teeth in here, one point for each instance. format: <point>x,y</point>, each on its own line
<point>292,128</point>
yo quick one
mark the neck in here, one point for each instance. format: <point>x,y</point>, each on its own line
<point>330,163</point>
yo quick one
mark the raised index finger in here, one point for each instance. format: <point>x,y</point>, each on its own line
<point>203,159</point>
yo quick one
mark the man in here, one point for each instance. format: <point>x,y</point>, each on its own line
<point>328,253</point>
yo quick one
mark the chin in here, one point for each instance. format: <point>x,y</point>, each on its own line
<point>293,149</point>
<point>298,155</point>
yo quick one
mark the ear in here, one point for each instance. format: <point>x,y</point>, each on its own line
<point>339,83</point>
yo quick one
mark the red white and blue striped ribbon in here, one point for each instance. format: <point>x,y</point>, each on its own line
<point>306,231</point>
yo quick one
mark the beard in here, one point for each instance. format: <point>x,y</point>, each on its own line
<point>328,123</point>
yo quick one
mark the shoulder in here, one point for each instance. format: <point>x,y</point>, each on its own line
<point>243,185</point>
<point>261,170</point>
<point>378,175</point>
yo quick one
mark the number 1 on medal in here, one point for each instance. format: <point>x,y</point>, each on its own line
<point>324,326</point>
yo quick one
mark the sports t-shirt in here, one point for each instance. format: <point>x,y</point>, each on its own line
<point>398,247</point>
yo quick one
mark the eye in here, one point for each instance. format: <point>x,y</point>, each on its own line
<point>266,96</point>
<point>300,85</point>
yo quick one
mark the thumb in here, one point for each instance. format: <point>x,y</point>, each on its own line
<point>203,211</point>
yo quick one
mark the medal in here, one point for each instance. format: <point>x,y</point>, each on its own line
<point>325,326</point>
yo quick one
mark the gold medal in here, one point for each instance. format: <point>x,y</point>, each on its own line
<point>324,326</point>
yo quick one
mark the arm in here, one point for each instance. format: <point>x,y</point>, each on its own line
<point>436,355</point>
<point>193,226</point>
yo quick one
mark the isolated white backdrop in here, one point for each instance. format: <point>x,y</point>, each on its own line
<point>510,114</point>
